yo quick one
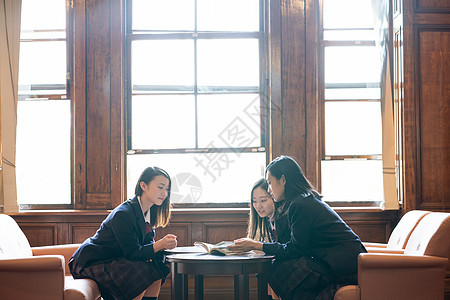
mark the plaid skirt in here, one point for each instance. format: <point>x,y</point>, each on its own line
<point>293,279</point>
<point>121,279</point>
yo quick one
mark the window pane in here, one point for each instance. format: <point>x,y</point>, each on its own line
<point>43,152</point>
<point>43,15</point>
<point>203,177</point>
<point>166,65</point>
<point>230,15</point>
<point>352,180</point>
<point>227,62</point>
<point>347,14</point>
<point>229,121</point>
<point>42,63</point>
<point>353,93</point>
<point>163,15</point>
<point>352,128</point>
<point>161,122</point>
<point>352,64</point>
<point>348,35</point>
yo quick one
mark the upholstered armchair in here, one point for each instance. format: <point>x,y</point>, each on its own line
<point>401,233</point>
<point>418,273</point>
<point>37,272</point>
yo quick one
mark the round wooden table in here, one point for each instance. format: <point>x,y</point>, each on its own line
<point>201,264</point>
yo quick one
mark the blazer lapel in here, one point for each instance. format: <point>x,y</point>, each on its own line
<point>139,216</point>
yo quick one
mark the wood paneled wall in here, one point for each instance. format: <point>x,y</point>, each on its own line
<point>209,225</point>
<point>426,103</point>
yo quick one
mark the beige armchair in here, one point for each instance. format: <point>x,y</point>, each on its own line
<point>401,233</point>
<point>418,273</point>
<point>37,272</point>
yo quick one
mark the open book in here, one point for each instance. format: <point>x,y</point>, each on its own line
<point>220,248</point>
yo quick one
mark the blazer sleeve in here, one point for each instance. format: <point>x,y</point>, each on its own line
<point>127,237</point>
<point>300,224</point>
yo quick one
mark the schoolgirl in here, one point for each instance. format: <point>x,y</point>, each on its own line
<point>122,257</point>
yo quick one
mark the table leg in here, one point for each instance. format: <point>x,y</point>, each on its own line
<point>185,286</point>
<point>243,287</point>
<point>236,287</point>
<point>262,286</point>
<point>199,287</point>
<point>176,282</point>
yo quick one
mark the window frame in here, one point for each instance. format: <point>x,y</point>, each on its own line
<point>322,101</point>
<point>57,97</point>
<point>262,36</point>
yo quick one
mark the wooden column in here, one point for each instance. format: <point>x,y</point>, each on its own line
<point>98,104</point>
<point>288,56</point>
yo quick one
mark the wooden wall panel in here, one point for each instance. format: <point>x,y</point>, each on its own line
<point>41,234</point>
<point>375,232</point>
<point>98,105</point>
<point>98,200</point>
<point>434,122</point>
<point>371,227</point>
<point>425,111</point>
<point>440,6</point>
<point>79,232</point>
<point>189,226</point>
<point>217,232</point>
<point>181,230</point>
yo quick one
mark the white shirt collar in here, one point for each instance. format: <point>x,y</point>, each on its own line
<point>146,214</point>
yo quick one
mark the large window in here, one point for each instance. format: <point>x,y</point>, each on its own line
<point>43,111</point>
<point>351,168</point>
<point>196,100</point>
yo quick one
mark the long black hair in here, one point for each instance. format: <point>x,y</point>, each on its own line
<point>159,215</point>
<point>296,182</point>
<point>258,228</point>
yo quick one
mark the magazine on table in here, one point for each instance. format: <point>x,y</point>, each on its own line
<point>220,248</point>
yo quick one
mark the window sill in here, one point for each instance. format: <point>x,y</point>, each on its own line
<point>176,211</point>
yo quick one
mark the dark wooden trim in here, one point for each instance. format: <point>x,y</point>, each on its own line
<point>312,100</point>
<point>409,110</point>
<point>118,153</point>
<point>275,144</point>
<point>78,96</point>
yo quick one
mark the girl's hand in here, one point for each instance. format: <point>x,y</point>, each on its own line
<point>167,242</point>
<point>246,244</point>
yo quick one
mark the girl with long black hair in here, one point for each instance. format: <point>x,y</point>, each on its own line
<point>316,251</point>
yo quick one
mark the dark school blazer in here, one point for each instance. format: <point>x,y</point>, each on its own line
<point>121,235</point>
<point>315,232</point>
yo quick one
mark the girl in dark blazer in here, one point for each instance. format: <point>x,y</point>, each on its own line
<point>316,251</point>
<point>122,257</point>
